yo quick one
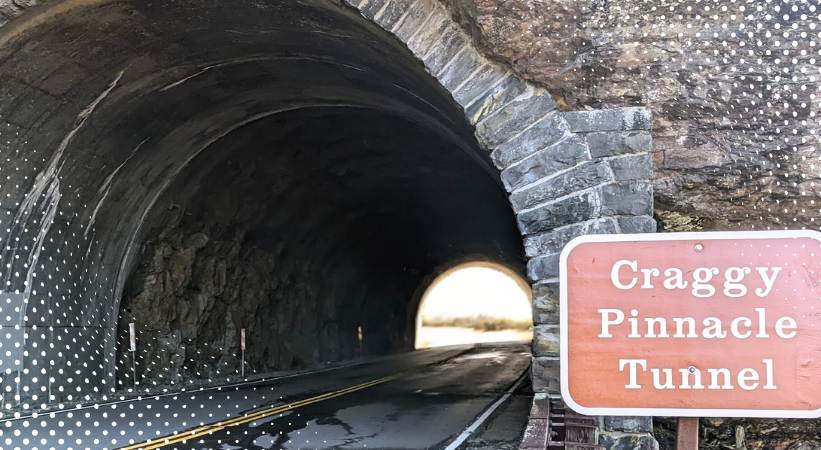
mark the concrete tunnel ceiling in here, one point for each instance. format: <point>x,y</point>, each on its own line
<point>285,167</point>
<point>301,170</point>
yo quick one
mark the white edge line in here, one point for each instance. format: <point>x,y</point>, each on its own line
<point>484,416</point>
<point>672,412</point>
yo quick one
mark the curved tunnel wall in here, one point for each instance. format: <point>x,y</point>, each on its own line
<point>128,127</point>
<point>302,227</point>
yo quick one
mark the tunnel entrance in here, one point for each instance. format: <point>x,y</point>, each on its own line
<point>474,302</point>
<point>200,168</point>
<point>304,227</point>
<point>292,169</point>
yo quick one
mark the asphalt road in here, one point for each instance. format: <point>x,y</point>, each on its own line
<point>418,400</point>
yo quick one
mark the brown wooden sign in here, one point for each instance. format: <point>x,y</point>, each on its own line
<point>692,324</point>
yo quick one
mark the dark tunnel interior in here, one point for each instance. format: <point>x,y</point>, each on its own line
<point>302,227</point>
<point>284,167</point>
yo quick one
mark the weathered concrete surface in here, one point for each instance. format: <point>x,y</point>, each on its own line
<point>149,159</point>
<point>102,121</point>
<point>120,126</point>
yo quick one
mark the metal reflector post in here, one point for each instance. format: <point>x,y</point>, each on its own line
<point>242,350</point>
<point>132,341</point>
<point>50,378</point>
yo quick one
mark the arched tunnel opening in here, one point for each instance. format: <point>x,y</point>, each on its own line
<point>202,167</point>
<point>475,302</point>
<point>305,228</point>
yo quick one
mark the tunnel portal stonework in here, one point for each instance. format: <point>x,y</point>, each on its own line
<point>565,173</point>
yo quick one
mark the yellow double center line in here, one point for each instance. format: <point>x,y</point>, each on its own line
<point>250,417</point>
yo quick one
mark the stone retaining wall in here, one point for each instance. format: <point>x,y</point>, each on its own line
<point>568,173</point>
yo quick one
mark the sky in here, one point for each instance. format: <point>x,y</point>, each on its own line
<point>476,290</point>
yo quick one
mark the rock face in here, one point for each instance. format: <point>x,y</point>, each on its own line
<point>750,434</point>
<point>732,88</point>
<point>196,287</point>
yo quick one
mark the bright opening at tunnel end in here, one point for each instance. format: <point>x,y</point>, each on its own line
<point>474,302</point>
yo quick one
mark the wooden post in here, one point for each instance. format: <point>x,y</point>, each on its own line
<point>687,438</point>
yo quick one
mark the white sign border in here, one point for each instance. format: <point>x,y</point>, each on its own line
<point>670,412</point>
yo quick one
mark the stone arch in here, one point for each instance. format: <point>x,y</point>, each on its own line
<point>566,173</point>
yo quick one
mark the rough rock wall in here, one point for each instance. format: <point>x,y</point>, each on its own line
<point>720,433</point>
<point>197,285</point>
<point>13,8</point>
<point>731,85</point>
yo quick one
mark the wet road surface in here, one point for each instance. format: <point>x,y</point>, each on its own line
<point>424,408</point>
<point>416,400</point>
